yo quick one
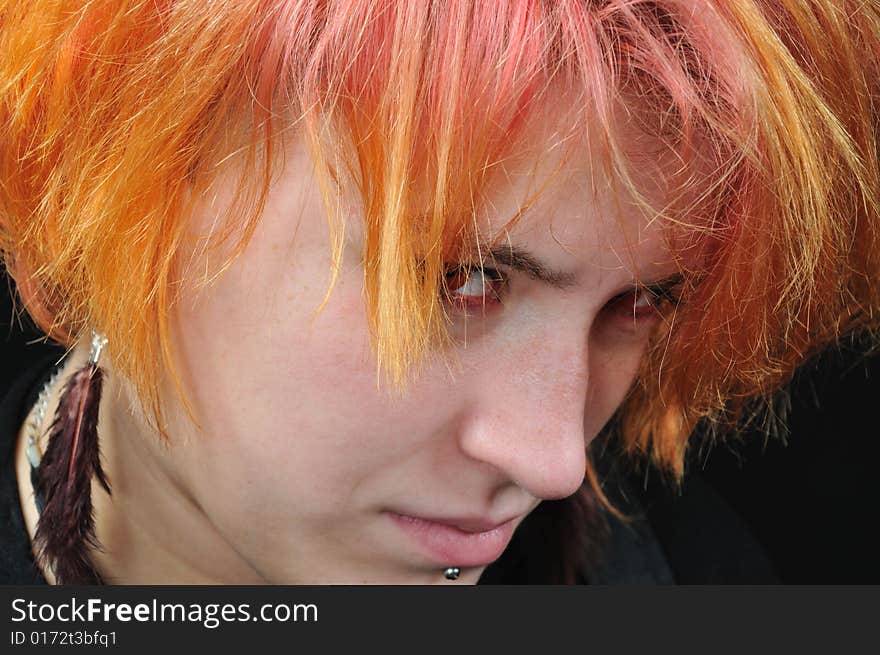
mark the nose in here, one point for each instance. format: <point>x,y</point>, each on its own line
<point>526,419</point>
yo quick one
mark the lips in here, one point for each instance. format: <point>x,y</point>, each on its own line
<point>456,541</point>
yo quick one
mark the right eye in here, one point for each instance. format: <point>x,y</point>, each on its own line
<point>645,305</point>
<point>468,286</point>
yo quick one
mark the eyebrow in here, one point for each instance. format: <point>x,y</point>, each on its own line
<point>519,259</point>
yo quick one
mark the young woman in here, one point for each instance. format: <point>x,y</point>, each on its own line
<point>348,287</point>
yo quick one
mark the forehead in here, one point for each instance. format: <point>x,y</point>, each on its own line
<point>559,194</point>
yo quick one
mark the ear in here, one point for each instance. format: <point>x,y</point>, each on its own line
<point>29,296</point>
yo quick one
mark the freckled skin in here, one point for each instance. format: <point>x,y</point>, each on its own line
<point>302,453</point>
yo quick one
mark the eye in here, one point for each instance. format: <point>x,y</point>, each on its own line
<point>467,286</point>
<point>644,304</point>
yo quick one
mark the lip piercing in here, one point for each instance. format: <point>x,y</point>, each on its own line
<point>452,573</point>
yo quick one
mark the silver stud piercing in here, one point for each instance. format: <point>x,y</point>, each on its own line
<point>452,573</point>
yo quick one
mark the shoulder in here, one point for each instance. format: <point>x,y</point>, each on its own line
<point>33,367</point>
<point>682,534</point>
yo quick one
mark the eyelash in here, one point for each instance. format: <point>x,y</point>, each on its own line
<point>459,276</point>
<point>654,297</point>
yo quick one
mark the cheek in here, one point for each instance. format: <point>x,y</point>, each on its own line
<point>278,393</point>
<point>274,384</point>
<point>290,401</point>
<point>612,374</point>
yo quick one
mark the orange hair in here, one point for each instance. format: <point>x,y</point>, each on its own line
<point>116,115</point>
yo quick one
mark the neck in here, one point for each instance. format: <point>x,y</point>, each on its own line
<point>150,529</point>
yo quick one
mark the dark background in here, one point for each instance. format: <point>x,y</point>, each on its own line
<point>811,503</point>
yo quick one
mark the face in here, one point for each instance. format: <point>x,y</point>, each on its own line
<point>312,471</point>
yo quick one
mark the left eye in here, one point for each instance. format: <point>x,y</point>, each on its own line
<point>643,303</point>
<point>471,286</point>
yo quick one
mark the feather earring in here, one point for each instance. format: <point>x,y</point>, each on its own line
<point>66,527</point>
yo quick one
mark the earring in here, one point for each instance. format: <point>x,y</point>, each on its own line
<point>452,573</point>
<point>66,527</point>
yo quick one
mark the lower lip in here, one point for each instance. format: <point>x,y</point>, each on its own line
<point>453,547</point>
